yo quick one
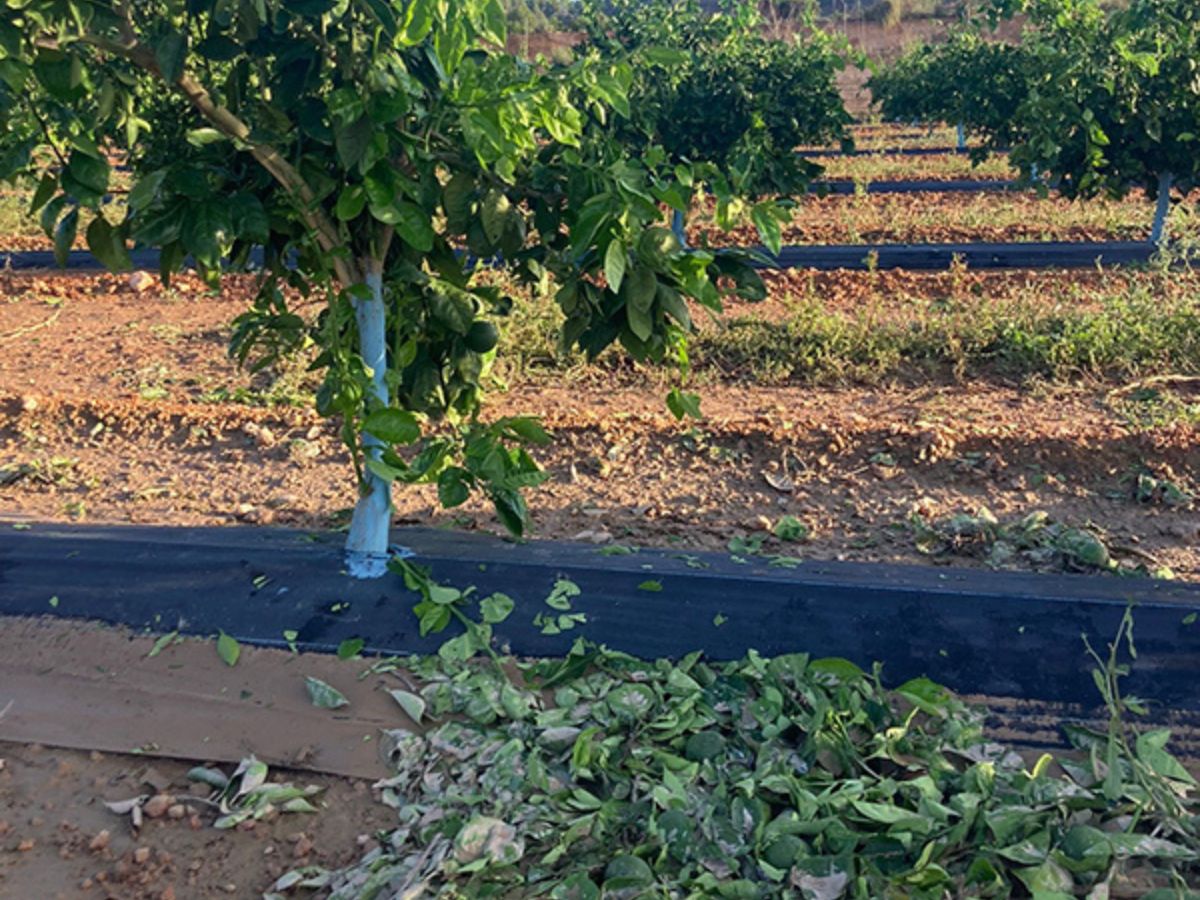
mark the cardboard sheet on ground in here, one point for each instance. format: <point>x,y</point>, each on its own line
<point>70,684</point>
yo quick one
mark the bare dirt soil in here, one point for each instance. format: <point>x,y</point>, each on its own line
<point>58,840</point>
<point>119,410</point>
<point>138,718</point>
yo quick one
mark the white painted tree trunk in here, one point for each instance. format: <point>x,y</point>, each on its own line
<point>1158,233</point>
<point>678,227</point>
<point>367,543</point>
<point>961,135</point>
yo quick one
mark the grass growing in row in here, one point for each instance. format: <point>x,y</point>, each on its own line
<point>1112,333</point>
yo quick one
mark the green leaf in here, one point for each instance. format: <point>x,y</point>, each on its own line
<point>765,218</point>
<point>45,190</point>
<point>418,21</point>
<point>169,53</point>
<point>454,487</point>
<point>206,227</point>
<point>641,286</point>
<point>413,705</point>
<point>350,648</point>
<point>1151,750</point>
<point>353,140</point>
<point>496,608</point>
<point>494,212</point>
<point>64,236</point>
<point>202,137</point>
<point>250,222</point>
<point>615,259</point>
<point>323,695</point>
<point>351,202</point>
<point>228,649</point>
<point>561,594</point>
<point>456,201</point>
<point>162,643</point>
<point>410,221</point>
<point>511,510</point>
<point>527,429</point>
<point>392,426</point>
<point>651,586</point>
<point>887,814</point>
<point>493,23</point>
<point>683,404</point>
<point>789,528</point>
<point>145,191</point>
<point>107,245</point>
<point>666,57</point>
<point>85,177</point>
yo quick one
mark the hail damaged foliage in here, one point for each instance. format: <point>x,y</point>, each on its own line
<point>602,775</point>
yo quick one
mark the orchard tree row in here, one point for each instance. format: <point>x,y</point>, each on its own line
<point>374,153</point>
<point>1101,100</point>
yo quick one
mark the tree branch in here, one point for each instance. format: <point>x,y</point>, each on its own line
<point>233,127</point>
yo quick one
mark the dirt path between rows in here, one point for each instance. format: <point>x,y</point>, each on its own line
<point>121,410</point>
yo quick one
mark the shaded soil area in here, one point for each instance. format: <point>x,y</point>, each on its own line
<point>126,408</point>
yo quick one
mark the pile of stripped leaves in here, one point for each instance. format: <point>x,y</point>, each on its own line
<point>1033,540</point>
<point>787,777</point>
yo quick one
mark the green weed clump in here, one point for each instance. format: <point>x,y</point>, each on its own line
<point>1103,335</point>
<point>1125,336</point>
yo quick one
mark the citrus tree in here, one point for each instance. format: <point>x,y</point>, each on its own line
<point>1115,103</point>
<point>710,87</point>
<point>370,154</point>
<point>1101,98</point>
<point>965,79</point>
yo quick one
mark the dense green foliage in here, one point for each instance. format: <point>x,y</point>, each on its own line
<point>375,150</point>
<point>1104,99</point>
<point>601,775</point>
<point>965,79</point>
<point>728,95</point>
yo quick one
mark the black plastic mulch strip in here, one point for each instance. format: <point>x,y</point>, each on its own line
<point>77,260</point>
<point>977,631</point>
<point>1020,255</point>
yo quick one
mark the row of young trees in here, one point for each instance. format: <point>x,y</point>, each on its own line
<point>1101,99</point>
<point>374,151</point>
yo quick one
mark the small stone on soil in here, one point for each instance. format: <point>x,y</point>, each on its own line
<point>157,806</point>
<point>100,841</point>
<point>139,282</point>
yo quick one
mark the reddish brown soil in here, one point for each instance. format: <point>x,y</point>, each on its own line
<point>52,813</point>
<point>73,406</point>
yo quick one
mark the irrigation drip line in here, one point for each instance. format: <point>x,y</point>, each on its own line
<point>822,257</point>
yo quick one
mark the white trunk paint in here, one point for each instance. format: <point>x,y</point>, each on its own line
<point>367,542</point>
<point>1158,232</point>
<point>677,226</point>
<point>961,134</point>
